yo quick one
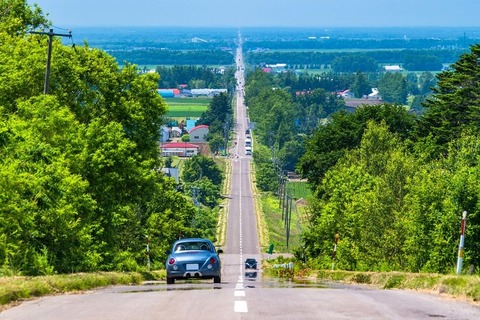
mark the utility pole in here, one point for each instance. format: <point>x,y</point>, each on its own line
<point>462,242</point>
<point>50,35</point>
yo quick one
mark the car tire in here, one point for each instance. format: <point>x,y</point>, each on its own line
<point>170,280</point>
<point>217,279</point>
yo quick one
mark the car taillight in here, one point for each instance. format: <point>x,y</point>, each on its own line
<point>171,261</point>
<point>213,260</point>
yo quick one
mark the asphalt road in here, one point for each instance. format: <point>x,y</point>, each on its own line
<point>243,294</point>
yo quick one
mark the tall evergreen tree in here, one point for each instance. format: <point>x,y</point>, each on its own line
<point>455,103</point>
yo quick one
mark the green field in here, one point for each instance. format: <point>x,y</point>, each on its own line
<point>298,189</point>
<point>186,107</point>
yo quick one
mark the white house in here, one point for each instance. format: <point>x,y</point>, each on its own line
<point>392,68</point>
<point>165,134</point>
<point>181,149</point>
<point>198,133</point>
<point>207,92</point>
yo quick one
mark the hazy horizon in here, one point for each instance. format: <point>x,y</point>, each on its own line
<point>263,13</point>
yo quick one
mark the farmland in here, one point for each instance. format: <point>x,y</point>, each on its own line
<point>186,107</point>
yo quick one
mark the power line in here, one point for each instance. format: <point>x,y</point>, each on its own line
<point>50,35</point>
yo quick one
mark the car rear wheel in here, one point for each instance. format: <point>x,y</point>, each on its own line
<point>217,279</point>
<point>170,280</point>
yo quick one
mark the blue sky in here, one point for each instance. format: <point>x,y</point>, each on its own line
<point>245,13</point>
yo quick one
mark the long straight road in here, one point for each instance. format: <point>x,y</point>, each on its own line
<point>240,296</point>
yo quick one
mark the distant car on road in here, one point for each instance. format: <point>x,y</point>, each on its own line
<point>193,258</point>
<point>250,263</point>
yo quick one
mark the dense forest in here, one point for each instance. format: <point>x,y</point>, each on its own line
<point>391,183</point>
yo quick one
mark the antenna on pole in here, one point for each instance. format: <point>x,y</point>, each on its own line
<point>50,35</point>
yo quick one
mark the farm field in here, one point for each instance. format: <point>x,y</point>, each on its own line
<point>186,107</point>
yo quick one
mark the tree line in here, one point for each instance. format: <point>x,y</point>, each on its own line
<point>365,61</point>
<point>390,183</point>
<point>195,77</point>
<point>157,56</point>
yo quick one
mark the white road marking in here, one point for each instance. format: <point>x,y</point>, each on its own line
<point>240,306</point>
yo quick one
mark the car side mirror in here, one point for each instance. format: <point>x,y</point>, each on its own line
<point>168,251</point>
<point>219,251</point>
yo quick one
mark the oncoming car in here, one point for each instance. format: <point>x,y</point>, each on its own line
<point>250,263</point>
<point>193,258</point>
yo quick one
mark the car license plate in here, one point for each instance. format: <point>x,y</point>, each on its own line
<point>192,266</point>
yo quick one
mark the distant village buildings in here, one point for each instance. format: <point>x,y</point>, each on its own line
<point>184,92</point>
<point>180,149</point>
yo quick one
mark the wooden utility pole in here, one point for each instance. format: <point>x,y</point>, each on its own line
<point>50,35</point>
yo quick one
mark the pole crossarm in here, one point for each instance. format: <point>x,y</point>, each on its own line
<point>50,35</point>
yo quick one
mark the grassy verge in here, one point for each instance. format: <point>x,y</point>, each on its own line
<point>464,287</point>
<point>13,289</point>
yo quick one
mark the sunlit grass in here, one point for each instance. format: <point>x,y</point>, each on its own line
<point>20,288</point>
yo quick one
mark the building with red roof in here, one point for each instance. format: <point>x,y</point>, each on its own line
<point>181,149</point>
<point>198,133</point>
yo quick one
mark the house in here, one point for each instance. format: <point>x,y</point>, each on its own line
<point>207,92</point>
<point>181,149</point>
<point>175,132</point>
<point>392,68</point>
<point>345,94</point>
<point>375,94</point>
<point>168,93</point>
<point>165,134</point>
<point>198,133</point>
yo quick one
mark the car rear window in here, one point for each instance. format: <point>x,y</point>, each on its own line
<point>184,246</point>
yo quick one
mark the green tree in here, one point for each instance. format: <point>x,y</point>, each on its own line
<point>393,88</point>
<point>453,106</point>
<point>16,16</point>
<point>344,132</point>
<point>200,166</point>
<point>361,85</point>
<point>361,199</point>
<point>426,82</point>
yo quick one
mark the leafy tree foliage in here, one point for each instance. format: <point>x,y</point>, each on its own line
<point>202,174</point>
<point>344,132</point>
<point>16,16</point>
<point>361,86</point>
<point>200,166</point>
<point>393,88</point>
<point>79,183</point>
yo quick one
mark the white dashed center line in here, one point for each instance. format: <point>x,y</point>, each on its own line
<point>240,305</point>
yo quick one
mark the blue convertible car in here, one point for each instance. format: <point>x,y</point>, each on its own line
<point>193,258</point>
